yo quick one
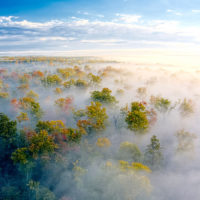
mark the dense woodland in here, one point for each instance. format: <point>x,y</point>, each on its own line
<point>90,129</point>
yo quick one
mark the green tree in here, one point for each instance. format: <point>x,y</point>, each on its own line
<point>10,193</point>
<point>185,141</point>
<point>187,107</point>
<point>94,79</point>
<point>161,103</point>
<point>40,192</point>
<point>33,106</point>
<point>103,96</point>
<point>21,155</point>
<point>50,126</point>
<point>81,83</point>
<point>52,80</point>
<point>8,144</point>
<point>32,94</point>
<point>153,156</point>
<point>36,110</point>
<point>137,118</point>
<point>72,135</point>
<point>97,116</point>
<point>8,129</point>
<point>142,92</point>
<point>129,152</point>
<point>69,84</point>
<point>41,144</point>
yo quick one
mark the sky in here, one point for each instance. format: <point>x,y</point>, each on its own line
<point>71,25</point>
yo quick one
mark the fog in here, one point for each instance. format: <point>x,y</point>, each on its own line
<point>88,171</point>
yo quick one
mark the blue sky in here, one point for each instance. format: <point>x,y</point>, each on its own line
<point>42,25</point>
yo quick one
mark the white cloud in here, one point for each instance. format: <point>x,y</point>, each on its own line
<point>4,19</point>
<point>103,41</point>
<point>55,39</point>
<point>80,22</point>
<point>165,26</point>
<point>10,22</point>
<point>90,14</point>
<point>196,11</point>
<point>128,18</point>
<point>174,12</point>
<point>126,31</point>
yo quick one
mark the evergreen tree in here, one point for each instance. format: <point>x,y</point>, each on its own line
<point>8,128</point>
<point>153,156</point>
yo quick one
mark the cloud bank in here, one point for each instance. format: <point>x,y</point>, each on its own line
<point>120,32</point>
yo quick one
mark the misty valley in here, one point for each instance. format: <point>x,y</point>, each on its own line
<point>85,128</point>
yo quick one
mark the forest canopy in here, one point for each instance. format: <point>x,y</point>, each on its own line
<point>86,128</point>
